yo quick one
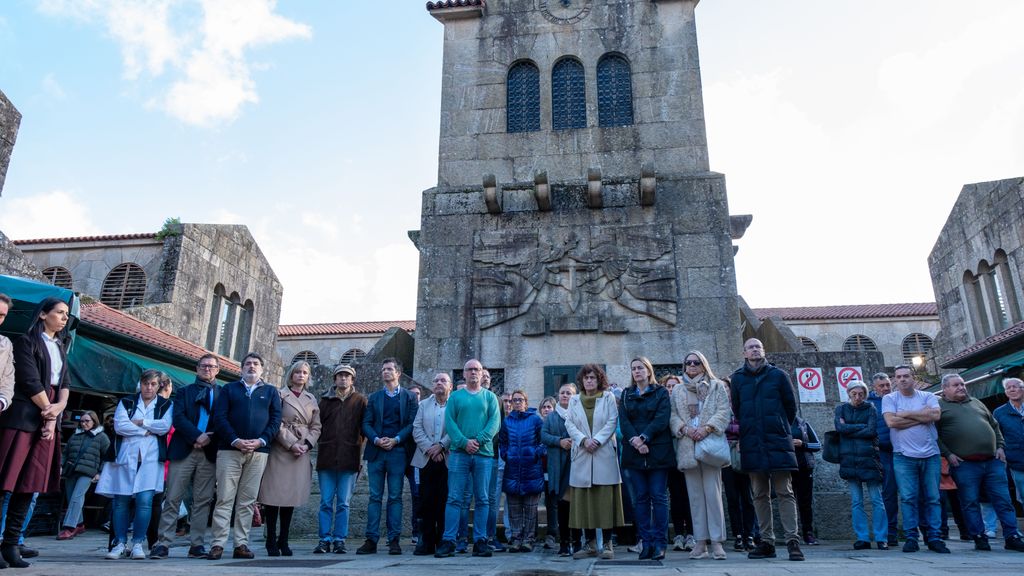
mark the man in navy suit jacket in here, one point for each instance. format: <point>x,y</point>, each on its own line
<point>387,425</point>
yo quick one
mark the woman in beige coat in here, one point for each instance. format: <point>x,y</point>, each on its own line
<point>700,407</point>
<point>288,478</point>
<point>594,480</point>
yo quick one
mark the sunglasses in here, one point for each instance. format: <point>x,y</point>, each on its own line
<point>692,362</point>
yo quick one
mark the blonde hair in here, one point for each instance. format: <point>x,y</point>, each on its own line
<point>295,368</point>
<point>703,362</point>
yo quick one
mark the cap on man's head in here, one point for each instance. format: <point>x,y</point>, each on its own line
<point>346,369</point>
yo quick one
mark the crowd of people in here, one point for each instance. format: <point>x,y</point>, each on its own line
<point>611,464</point>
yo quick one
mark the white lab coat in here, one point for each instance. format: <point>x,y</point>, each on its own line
<point>137,466</point>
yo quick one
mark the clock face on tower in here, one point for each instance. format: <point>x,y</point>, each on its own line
<point>565,11</point>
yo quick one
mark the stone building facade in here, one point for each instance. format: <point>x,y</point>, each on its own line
<point>575,218</point>
<point>333,343</point>
<point>209,284</point>
<point>903,333</point>
<point>977,264</point>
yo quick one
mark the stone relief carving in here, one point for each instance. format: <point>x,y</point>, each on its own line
<point>573,281</point>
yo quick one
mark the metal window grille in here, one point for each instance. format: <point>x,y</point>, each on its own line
<point>124,286</point>
<point>859,343</point>
<point>808,344</point>
<point>352,356</point>
<point>568,95</point>
<point>307,356</point>
<point>915,345</point>
<point>58,276</point>
<point>523,98</point>
<point>614,92</point>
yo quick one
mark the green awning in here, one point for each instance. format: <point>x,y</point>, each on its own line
<point>107,369</point>
<point>26,295</point>
<point>985,380</point>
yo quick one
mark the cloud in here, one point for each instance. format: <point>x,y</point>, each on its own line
<point>201,46</point>
<point>52,88</point>
<point>38,216</point>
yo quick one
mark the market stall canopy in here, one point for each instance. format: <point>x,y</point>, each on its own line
<point>26,295</point>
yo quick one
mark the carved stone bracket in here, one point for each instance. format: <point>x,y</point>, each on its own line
<point>491,194</point>
<point>648,185</point>
<point>542,191</point>
<point>594,199</point>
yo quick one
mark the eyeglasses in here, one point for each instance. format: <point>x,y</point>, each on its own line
<point>85,421</point>
<point>692,362</point>
<point>207,366</point>
<point>518,400</point>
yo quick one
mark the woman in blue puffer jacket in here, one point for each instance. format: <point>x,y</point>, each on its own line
<point>522,450</point>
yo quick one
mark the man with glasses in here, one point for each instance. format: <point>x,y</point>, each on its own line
<point>971,441</point>
<point>192,455</point>
<point>472,419</point>
<point>1011,422</point>
<point>881,386</point>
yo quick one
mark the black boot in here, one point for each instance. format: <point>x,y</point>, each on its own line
<point>272,549</point>
<point>12,555</point>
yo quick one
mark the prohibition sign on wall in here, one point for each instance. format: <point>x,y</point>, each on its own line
<point>845,375</point>
<point>810,384</point>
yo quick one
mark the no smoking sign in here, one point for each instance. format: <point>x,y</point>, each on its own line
<point>845,375</point>
<point>810,380</point>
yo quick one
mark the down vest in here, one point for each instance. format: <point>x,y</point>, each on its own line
<point>858,449</point>
<point>521,449</point>
<point>765,405</point>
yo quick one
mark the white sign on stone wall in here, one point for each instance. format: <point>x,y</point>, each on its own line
<point>811,384</point>
<point>845,375</point>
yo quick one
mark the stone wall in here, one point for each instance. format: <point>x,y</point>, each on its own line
<point>14,263</point>
<point>887,334</point>
<point>657,38</point>
<point>10,120</point>
<point>89,262</point>
<point>329,349</point>
<point>987,217</point>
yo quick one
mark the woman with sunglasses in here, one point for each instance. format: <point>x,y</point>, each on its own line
<point>700,408</point>
<point>83,458</point>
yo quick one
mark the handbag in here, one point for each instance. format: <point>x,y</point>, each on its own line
<point>830,447</point>
<point>735,459</point>
<point>713,450</point>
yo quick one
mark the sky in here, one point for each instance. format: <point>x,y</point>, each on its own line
<point>846,128</point>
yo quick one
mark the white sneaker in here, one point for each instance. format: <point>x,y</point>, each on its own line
<point>116,552</point>
<point>635,547</point>
<point>690,542</point>
<point>138,552</point>
<point>679,543</point>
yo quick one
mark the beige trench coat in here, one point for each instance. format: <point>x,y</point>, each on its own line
<point>715,412</point>
<point>288,480</point>
<point>602,467</point>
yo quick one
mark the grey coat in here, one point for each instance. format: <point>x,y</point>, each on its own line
<point>551,434</point>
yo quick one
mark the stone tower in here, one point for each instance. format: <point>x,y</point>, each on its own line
<point>575,218</point>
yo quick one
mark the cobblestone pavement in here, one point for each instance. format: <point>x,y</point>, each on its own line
<point>83,556</point>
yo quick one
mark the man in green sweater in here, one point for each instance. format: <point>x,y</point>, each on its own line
<point>472,420</point>
<point>970,440</point>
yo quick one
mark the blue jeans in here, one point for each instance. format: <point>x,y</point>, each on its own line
<point>28,516</point>
<point>497,471</point>
<point>890,492</point>
<point>467,472</point>
<point>389,466</point>
<point>335,486</point>
<point>143,511</point>
<point>879,520</point>
<point>650,506</point>
<point>1018,484</point>
<point>969,478</point>
<point>918,480</point>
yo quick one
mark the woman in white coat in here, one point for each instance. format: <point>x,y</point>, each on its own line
<point>594,479</point>
<point>700,408</point>
<point>140,447</point>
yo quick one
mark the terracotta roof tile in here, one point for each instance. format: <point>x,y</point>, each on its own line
<point>341,328</point>
<point>105,238</point>
<point>442,4</point>
<point>851,312</point>
<point>114,320</point>
<point>990,342</point>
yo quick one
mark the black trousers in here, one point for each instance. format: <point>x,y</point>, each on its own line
<point>679,503</point>
<point>803,486</point>
<point>434,495</point>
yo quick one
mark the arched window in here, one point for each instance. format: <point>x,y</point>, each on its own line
<point>977,310</point>
<point>352,356</point>
<point>243,329</point>
<point>1005,289</point>
<point>859,343</point>
<point>916,345</point>
<point>124,286</point>
<point>808,344</point>
<point>307,356</point>
<point>58,276</point>
<point>568,95</point>
<point>614,91</point>
<point>523,97</point>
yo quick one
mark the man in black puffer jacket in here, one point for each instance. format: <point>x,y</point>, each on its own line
<point>765,405</point>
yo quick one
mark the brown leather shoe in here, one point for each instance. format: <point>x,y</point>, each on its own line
<point>215,553</point>
<point>243,552</point>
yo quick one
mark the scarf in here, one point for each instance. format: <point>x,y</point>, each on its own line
<point>697,391</point>
<point>563,412</point>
